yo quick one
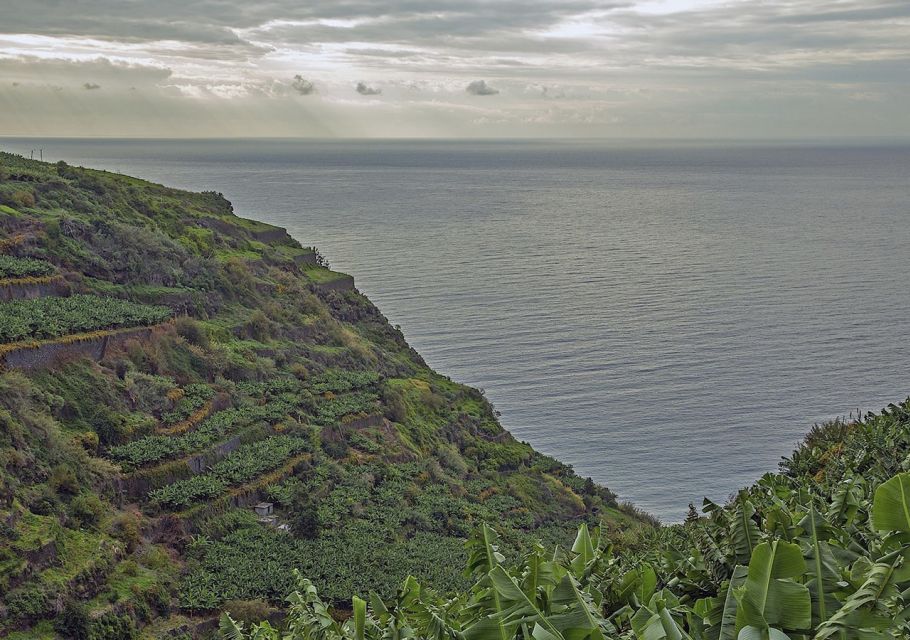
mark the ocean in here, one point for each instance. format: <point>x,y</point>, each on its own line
<point>670,319</point>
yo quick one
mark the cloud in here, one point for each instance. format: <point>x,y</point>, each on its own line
<point>365,90</point>
<point>693,67</point>
<point>481,88</point>
<point>303,86</point>
<point>91,86</point>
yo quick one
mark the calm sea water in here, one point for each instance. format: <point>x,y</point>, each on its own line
<point>668,319</point>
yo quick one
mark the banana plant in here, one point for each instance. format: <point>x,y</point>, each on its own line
<point>771,598</point>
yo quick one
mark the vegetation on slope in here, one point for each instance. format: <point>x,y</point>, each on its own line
<point>819,551</point>
<point>55,317</point>
<point>126,484</point>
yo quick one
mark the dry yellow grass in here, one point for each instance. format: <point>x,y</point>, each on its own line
<point>185,425</point>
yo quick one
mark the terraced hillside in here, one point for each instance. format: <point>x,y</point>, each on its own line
<point>168,365</point>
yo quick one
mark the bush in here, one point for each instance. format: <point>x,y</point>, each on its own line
<point>89,441</point>
<point>24,199</point>
<point>73,622</point>
<point>28,603</point>
<point>43,501</point>
<point>63,480</point>
<point>396,409</point>
<point>258,327</point>
<point>192,332</point>
<point>125,528</point>
<point>87,509</point>
<point>304,515</point>
<point>247,611</point>
<point>111,626</point>
<point>221,525</point>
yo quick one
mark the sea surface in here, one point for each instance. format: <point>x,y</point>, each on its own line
<point>668,318</point>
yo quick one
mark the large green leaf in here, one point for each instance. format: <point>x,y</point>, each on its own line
<point>891,506</point>
<point>745,532</point>
<point>655,622</point>
<point>576,617</point>
<point>517,608</point>
<point>770,597</point>
<point>754,633</point>
<point>866,613</point>
<point>727,629</point>
<point>822,565</point>
<point>583,548</point>
<point>360,615</point>
<point>846,500</point>
<point>483,557</point>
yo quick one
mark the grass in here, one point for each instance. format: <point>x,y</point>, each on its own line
<point>321,275</point>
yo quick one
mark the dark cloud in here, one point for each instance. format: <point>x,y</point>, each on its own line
<point>365,90</point>
<point>481,88</point>
<point>91,86</point>
<point>303,86</point>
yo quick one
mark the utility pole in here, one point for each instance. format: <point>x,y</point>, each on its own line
<point>41,151</point>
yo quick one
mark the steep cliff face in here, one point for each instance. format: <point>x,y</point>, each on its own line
<point>169,365</point>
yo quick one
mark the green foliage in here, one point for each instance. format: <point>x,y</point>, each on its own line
<point>12,267</point>
<point>56,317</point>
<point>333,409</point>
<point>194,398</point>
<point>783,561</point>
<point>87,509</point>
<point>342,381</point>
<point>238,467</point>
<point>153,449</point>
<point>253,342</point>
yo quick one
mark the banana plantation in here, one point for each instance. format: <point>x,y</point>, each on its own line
<point>818,551</point>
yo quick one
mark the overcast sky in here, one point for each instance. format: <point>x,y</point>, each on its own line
<point>455,68</point>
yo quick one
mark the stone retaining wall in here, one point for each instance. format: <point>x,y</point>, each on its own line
<point>305,259</point>
<point>30,289</point>
<point>345,283</point>
<point>197,464</point>
<point>39,355</point>
<point>375,420</point>
<point>138,485</point>
<point>267,236</point>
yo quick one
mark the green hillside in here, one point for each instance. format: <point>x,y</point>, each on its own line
<point>167,365</point>
<point>203,426</point>
<point>818,551</point>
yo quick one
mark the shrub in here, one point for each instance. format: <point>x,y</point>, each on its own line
<point>125,527</point>
<point>247,611</point>
<point>111,626</point>
<point>304,515</point>
<point>24,199</point>
<point>396,409</point>
<point>155,558</point>
<point>221,525</point>
<point>43,500</point>
<point>29,602</point>
<point>63,480</point>
<point>73,621</point>
<point>192,332</point>
<point>87,509</point>
<point>258,327</point>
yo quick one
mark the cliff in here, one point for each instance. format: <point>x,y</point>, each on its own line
<point>168,364</point>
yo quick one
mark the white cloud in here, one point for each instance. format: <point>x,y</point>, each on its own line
<point>660,67</point>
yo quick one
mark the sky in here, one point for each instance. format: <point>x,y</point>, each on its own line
<point>455,68</point>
